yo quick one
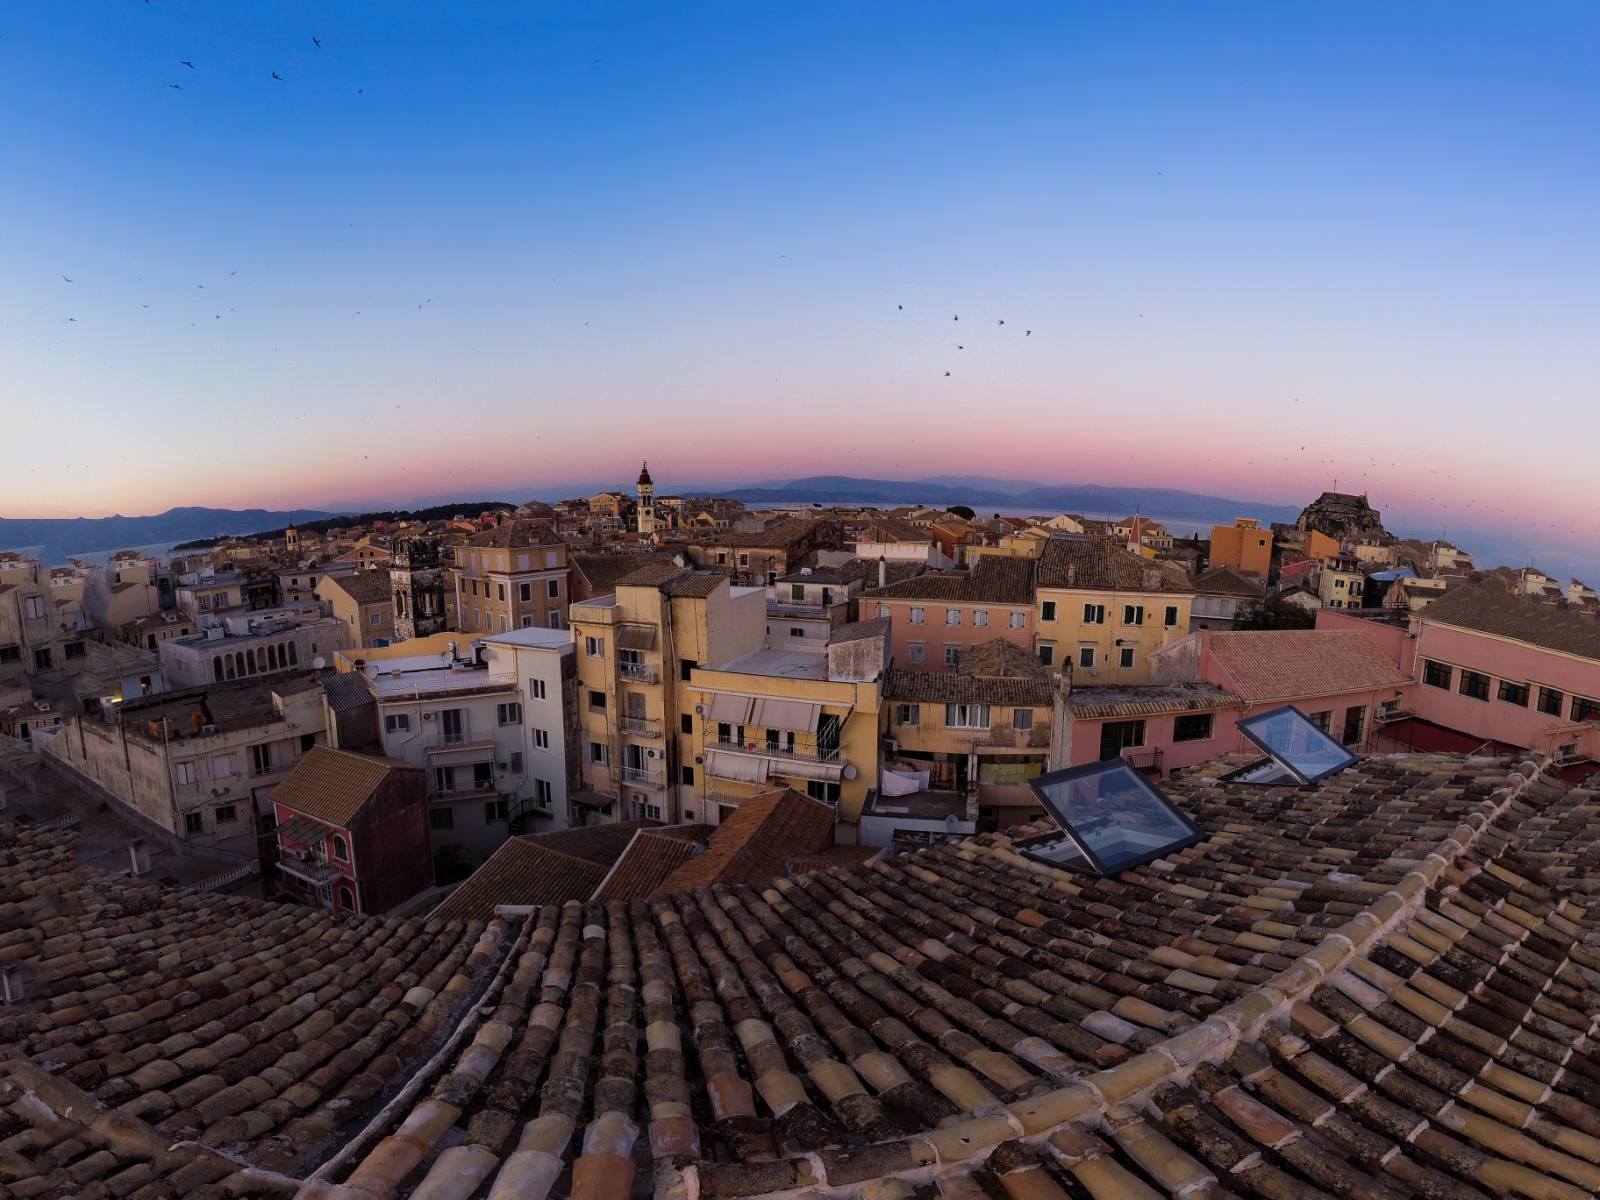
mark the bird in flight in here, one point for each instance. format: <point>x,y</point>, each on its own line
<point>901,307</point>
<point>68,280</point>
<point>276,76</point>
<point>957,317</point>
<point>1027,333</point>
<point>947,374</point>
<point>1002,322</point>
<point>316,41</point>
<point>177,86</point>
<point>184,62</point>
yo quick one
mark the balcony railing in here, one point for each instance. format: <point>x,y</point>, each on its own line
<point>648,727</point>
<point>765,749</point>
<point>640,777</point>
<point>643,672</point>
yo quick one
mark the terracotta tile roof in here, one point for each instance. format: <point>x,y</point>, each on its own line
<point>332,785</point>
<point>522,871</point>
<point>1285,664</point>
<point>992,672</point>
<point>1490,610</point>
<point>855,631</point>
<point>1149,700</point>
<point>698,584</point>
<point>898,570</point>
<point>1226,581</point>
<point>603,571</point>
<point>994,579</point>
<point>753,843</point>
<point>834,856</point>
<point>650,858</point>
<point>364,587</point>
<point>1101,565</point>
<point>777,536</point>
<point>1001,659</point>
<point>516,535</point>
<point>892,529</point>
<point>654,573</point>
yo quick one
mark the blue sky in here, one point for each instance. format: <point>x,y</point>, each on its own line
<point>683,233</point>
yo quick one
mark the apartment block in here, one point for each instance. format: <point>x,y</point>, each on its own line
<point>364,603</point>
<point>512,576</point>
<point>938,615</point>
<point>1244,546</point>
<point>246,645</point>
<point>1105,610</point>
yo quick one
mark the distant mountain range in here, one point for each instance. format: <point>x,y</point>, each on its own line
<point>53,539</point>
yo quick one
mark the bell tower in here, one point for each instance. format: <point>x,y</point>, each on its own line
<point>647,502</point>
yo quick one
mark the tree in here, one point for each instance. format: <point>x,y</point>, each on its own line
<point>962,511</point>
<point>1276,614</point>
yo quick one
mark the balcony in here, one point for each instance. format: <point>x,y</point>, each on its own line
<point>638,671</point>
<point>764,749</point>
<point>642,777</point>
<point>647,727</point>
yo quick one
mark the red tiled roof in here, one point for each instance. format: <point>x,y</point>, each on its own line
<point>756,840</point>
<point>1284,664</point>
<point>651,856</point>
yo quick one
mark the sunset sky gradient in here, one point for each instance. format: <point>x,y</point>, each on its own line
<point>476,249</point>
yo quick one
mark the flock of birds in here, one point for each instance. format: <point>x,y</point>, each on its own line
<point>185,62</point>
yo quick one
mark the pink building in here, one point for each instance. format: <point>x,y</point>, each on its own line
<point>937,615</point>
<point>1344,681</point>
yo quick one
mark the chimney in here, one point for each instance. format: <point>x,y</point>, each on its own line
<point>139,855</point>
<point>883,571</point>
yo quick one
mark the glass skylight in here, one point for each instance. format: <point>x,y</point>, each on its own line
<point>1296,745</point>
<point>1112,817</point>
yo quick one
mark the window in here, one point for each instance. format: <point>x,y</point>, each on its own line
<point>686,667</point>
<point>1436,674</point>
<point>1047,653</point>
<point>907,714</point>
<point>33,607</point>
<point>541,739</point>
<point>183,772</point>
<point>41,659</point>
<point>966,716</point>
<point>514,762</point>
<point>643,810</point>
<point>797,631</point>
<point>686,775</point>
<point>341,849</point>
<point>554,618</point>
<point>1171,617</point>
<point>1133,614</point>
<point>1111,819</point>
<point>819,789</point>
<point>1550,701</point>
<point>550,558</point>
<point>1019,620</point>
<point>1355,724</point>
<point>1321,721</point>
<point>1339,584</point>
<point>598,753</point>
<point>482,775</point>
<point>536,689</point>
<point>396,722</point>
<point>375,618</point>
<point>441,818</point>
<point>347,898</point>
<point>508,714</point>
<point>1514,693</point>
<point>1047,611</point>
<point>1117,736</point>
<point>1022,719</point>
<point>1191,727</point>
<point>500,591</point>
<point>597,701</point>
<point>594,647</point>
<point>916,615</point>
<point>193,823</point>
<point>685,723</point>
<point>952,655</point>
<point>1301,750</point>
<point>952,616</point>
<point>73,650</point>
<point>543,793</point>
<point>444,780</point>
<point>1584,709</point>
<point>914,653</point>
<point>495,811</point>
<point>10,654</point>
<point>222,767</point>
<point>452,726</point>
<point>1474,684</point>
<point>980,618</point>
<point>883,609</point>
<point>226,814</point>
<point>1125,658</point>
<point>1094,614</point>
<point>261,759</point>
<point>552,589</point>
<point>525,592</point>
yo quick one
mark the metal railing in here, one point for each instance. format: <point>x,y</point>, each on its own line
<point>641,777</point>
<point>765,749</point>
<point>641,726</point>
<point>643,672</point>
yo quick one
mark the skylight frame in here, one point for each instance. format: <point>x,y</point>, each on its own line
<point>1350,757</point>
<point>1042,787</point>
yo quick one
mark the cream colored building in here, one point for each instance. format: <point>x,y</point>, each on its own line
<point>512,576</point>
<point>1104,610</point>
<point>1340,582</point>
<point>687,706</point>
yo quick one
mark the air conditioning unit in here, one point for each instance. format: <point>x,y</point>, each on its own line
<point>699,710</point>
<point>427,716</point>
<point>208,729</point>
<point>649,753</point>
<point>500,766</point>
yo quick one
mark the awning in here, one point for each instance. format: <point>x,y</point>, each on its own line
<point>461,753</point>
<point>799,768</point>
<point>739,767</point>
<point>636,637</point>
<point>302,831</point>
<point>735,710</point>
<point>593,800</point>
<point>794,716</point>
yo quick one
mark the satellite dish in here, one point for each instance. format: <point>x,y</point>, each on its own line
<point>319,662</point>
<point>849,770</point>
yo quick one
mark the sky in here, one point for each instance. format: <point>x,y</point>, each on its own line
<point>463,250</point>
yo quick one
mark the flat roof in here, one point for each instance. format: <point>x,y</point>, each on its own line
<point>424,673</point>
<point>533,636</point>
<point>789,664</point>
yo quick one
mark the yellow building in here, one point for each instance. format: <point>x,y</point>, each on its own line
<point>1105,610</point>
<point>1340,581</point>
<point>1244,546</point>
<point>687,706</point>
<point>364,601</point>
<point>510,577</point>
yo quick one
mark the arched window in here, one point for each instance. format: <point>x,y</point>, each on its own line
<point>272,657</point>
<point>250,661</point>
<point>294,655</point>
<point>238,663</point>
<point>341,850</point>
<point>216,668</point>
<point>347,899</point>
<point>232,672</point>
